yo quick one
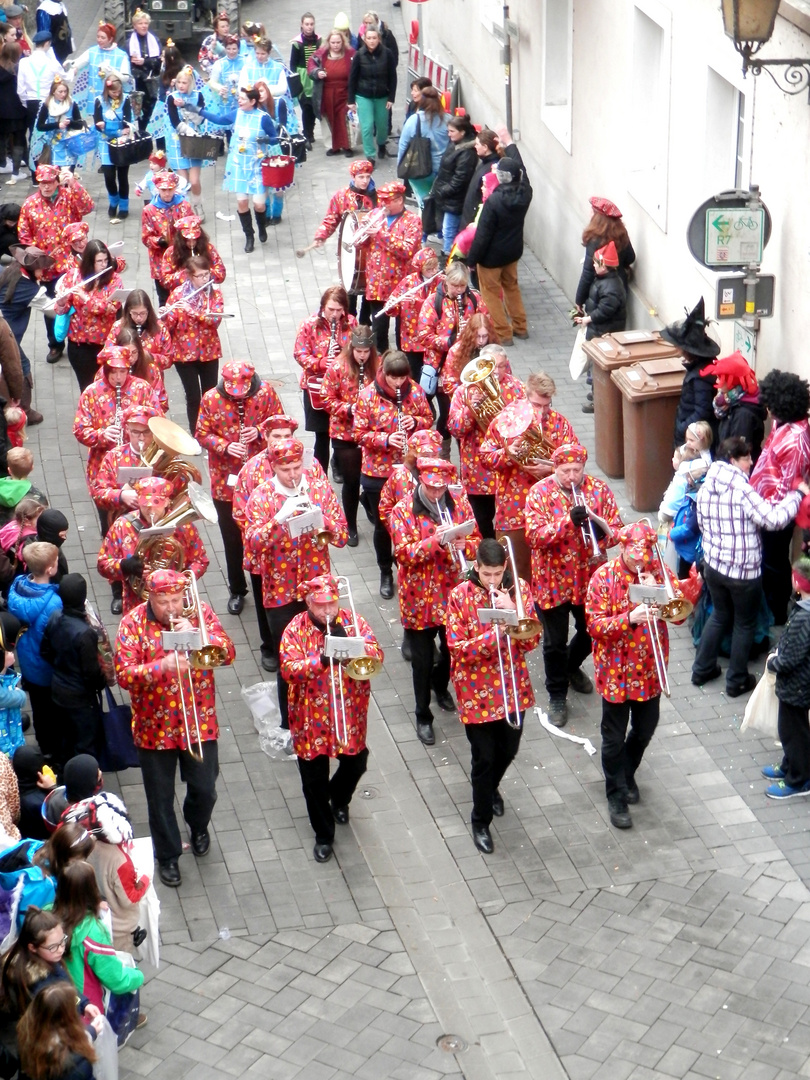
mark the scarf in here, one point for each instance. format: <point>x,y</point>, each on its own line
<point>725,400</point>
<point>57,109</point>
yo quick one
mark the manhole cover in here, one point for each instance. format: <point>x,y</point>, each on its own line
<point>368,793</point>
<point>451,1044</point>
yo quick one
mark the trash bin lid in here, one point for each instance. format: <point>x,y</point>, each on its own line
<point>628,347</point>
<point>650,379</point>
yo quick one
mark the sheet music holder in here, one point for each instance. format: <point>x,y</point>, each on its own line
<point>309,522</point>
<point>464,529</point>
<point>497,616</point>
<point>649,594</point>
<point>128,474</point>
<point>157,530</point>
<point>181,640</point>
<point>344,648</point>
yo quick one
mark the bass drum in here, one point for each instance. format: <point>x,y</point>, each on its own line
<point>352,260</point>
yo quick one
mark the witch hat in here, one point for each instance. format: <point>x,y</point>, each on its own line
<point>690,333</point>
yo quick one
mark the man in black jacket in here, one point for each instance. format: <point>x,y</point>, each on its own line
<point>497,246</point>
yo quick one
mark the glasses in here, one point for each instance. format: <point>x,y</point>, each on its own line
<point>55,948</point>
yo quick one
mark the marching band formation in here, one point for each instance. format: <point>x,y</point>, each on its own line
<point>488,560</point>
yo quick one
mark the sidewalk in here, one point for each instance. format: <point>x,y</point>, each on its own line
<point>677,949</point>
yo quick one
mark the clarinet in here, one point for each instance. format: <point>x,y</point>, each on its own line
<point>240,409</point>
<point>462,322</point>
<point>334,345</point>
<point>400,427</point>
<point>118,422</point>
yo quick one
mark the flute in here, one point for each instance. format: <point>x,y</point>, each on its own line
<point>394,300</point>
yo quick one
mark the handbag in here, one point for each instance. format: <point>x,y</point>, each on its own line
<point>762,710</point>
<point>429,379</point>
<point>430,218</point>
<point>61,325</point>
<point>416,163</point>
<point>123,1011</point>
<point>119,751</point>
<point>294,83</point>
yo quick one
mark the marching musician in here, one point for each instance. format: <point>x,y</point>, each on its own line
<point>404,478</point>
<point>476,335</point>
<point>343,381</point>
<point>158,222</point>
<point>44,215</point>
<point>228,427</point>
<point>328,709</point>
<point>320,340</point>
<point>286,560</point>
<point>118,558</point>
<point>514,478</point>
<point>142,364</point>
<point>630,665</point>
<point>385,415</point>
<point>405,302</point>
<point>159,684</point>
<point>99,423</point>
<point>429,567</point>
<point>75,238</point>
<point>138,314</point>
<point>468,422</point>
<point>189,239</point>
<point>565,514</point>
<point>397,238</point>
<point>361,194</point>
<point>259,470</point>
<point>108,493</point>
<point>192,317</point>
<point>442,320</point>
<point>487,670</point>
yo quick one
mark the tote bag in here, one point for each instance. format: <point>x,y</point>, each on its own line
<point>416,162</point>
<point>119,750</point>
<point>762,710</point>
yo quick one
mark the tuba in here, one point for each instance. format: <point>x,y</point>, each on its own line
<point>160,552</point>
<point>489,402</point>
<point>518,427</point>
<point>162,454</point>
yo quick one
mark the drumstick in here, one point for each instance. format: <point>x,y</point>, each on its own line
<point>301,252</point>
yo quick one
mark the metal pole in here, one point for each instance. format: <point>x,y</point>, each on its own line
<point>420,42</point>
<point>507,67</point>
<point>752,273</point>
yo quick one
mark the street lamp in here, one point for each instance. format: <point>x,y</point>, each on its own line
<point>749,23</point>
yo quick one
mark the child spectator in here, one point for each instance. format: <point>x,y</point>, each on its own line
<point>23,526</point>
<point>12,698</point>
<point>146,186</point>
<point>34,785</point>
<point>15,425</point>
<point>16,486</point>
<point>52,527</point>
<point>54,1043</point>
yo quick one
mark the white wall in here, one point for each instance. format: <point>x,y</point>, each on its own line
<point>653,81</point>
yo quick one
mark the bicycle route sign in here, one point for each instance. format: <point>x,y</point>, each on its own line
<point>734,236</point>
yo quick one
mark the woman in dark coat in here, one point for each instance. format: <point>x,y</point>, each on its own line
<point>453,178</point>
<point>697,392</point>
<point>736,404</point>
<point>13,117</point>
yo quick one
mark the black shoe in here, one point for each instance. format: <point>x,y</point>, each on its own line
<point>322,852</point>
<point>116,606</point>
<point>200,843</point>
<point>746,688</point>
<point>249,245</point>
<point>619,814</point>
<point>235,605</point>
<point>382,152</point>
<point>348,153</point>
<point>308,144</point>
<point>55,354</point>
<point>333,153</point>
<point>588,407</point>
<point>269,663</point>
<point>497,804</point>
<point>482,838</point>
<point>700,680</point>
<point>354,539</point>
<point>424,732</point>
<point>558,713</point>
<point>386,585</point>
<point>340,814</point>
<point>169,873</point>
<point>633,794</point>
<point>405,649</point>
<point>580,682</point>
<point>445,701</point>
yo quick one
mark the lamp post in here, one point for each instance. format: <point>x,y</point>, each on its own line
<point>750,23</point>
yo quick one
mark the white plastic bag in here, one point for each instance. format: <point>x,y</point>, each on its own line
<point>762,710</point>
<point>106,1047</point>
<point>262,700</point>
<point>579,361</point>
<point>143,856</point>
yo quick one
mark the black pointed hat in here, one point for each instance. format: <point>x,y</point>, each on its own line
<point>690,333</point>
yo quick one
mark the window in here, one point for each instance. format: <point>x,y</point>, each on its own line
<point>558,43</point>
<point>649,109</point>
<point>726,142</point>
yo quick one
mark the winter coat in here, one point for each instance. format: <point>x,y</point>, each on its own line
<point>93,964</point>
<point>498,239</point>
<point>626,258</point>
<point>373,74</point>
<point>472,200</point>
<point>606,305</point>
<point>12,109</point>
<point>695,403</point>
<point>746,418</point>
<point>33,605</point>
<point>453,177</point>
<point>792,660</point>
<point>70,645</point>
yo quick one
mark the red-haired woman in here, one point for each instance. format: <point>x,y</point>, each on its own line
<point>479,331</point>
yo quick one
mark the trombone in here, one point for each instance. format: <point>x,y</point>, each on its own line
<point>360,668</point>
<point>517,723</point>
<point>526,626</point>
<point>588,531</point>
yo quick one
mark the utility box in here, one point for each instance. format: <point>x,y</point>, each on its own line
<point>610,353</point>
<point>649,392</point>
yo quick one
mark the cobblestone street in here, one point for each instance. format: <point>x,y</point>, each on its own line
<point>677,949</point>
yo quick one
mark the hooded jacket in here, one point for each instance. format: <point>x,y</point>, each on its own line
<point>455,172</point>
<point>792,660</point>
<point>49,524</point>
<point>498,239</point>
<point>746,417</point>
<point>33,604</point>
<point>70,646</point>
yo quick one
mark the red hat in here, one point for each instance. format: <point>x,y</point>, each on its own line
<point>639,539</point>
<point>285,452</point>
<point>139,414</point>
<point>115,356</point>
<point>607,255</point>
<point>237,375</point>
<point>427,442</point>
<point>158,156</point>
<point>605,206</point>
<point>736,368</point>
<point>166,178</point>
<point>392,190</point>
<point>153,487</point>
<point>435,472</point>
<point>277,420</point>
<point>323,589</point>
<point>166,581</point>
<point>46,173</point>
<point>569,454</point>
<point>190,226</point>
<point>361,166</point>
<point>77,230</point>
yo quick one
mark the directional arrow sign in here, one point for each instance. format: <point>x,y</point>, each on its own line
<point>734,236</point>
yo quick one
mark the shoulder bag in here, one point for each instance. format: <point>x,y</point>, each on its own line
<point>416,162</point>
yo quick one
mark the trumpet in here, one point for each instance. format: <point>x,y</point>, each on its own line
<point>516,723</point>
<point>526,627</point>
<point>446,518</point>
<point>368,227</point>
<point>588,531</point>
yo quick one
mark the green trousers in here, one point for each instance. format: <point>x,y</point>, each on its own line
<point>372,114</point>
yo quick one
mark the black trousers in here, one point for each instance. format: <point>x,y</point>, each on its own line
<point>349,458</point>
<point>267,648</point>
<point>493,748</point>
<point>317,421</point>
<point>278,619</point>
<point>622,753</point>
<point>560,657</point>
<point>158,769</point>
<point>81,731</point>
<point>234,550</point>
<point>426,675</point>
<point>777,580</point>
<point>416,360</point>
<point>794,735</point>
<point>735,608</point>
<point>321,793</point>
<point>364,318</point>
<point>163,296</point>
<point>383,548</point>
<point>116,180</point>
<point>46,718</point>
<point>197,377</point>
<point>381,326</point>
<point>307,117</point>
<point>83,358</point>
<point>483,506</point>
<point>50,289</point>
<point>442,412</point>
